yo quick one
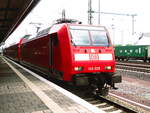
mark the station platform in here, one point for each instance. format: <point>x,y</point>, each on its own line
<point>22,91</point>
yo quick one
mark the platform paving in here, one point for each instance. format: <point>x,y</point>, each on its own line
<point>17,96</point>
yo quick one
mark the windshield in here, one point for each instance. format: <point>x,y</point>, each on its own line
<point>80,37</point>
<point>99,38</point>
<point>86,37</point>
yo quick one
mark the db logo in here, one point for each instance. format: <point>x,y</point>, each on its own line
<point>94,57</point>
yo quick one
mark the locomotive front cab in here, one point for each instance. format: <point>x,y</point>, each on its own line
<point>93,58</point>
<point>91,46</point>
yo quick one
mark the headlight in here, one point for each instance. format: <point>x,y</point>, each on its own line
<point>78,68</point>
<point>108,67</point>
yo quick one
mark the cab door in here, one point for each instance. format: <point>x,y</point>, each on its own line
<point>53,57</point>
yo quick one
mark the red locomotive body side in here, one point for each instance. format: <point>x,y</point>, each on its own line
<point>66,53</point>
<point>35,52</point>
<point>48,52</point>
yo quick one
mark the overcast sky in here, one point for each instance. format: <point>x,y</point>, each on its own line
<point>49,10</point>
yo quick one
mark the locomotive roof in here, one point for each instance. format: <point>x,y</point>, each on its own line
<point>43,32</point>
<point>56,27</point>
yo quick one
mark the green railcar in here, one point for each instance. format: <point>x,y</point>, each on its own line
<point>139,52</point>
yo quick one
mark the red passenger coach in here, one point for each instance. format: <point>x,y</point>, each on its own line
<point>75,53</point>
<point>14,50</point>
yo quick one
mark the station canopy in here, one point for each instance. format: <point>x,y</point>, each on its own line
<point>12,13</point>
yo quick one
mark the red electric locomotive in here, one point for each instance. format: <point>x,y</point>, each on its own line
<point>75,53</point>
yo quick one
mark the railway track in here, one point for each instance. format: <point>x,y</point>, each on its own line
<point>108,106</point>
<point>108,103</point>
<point>139,67</point>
